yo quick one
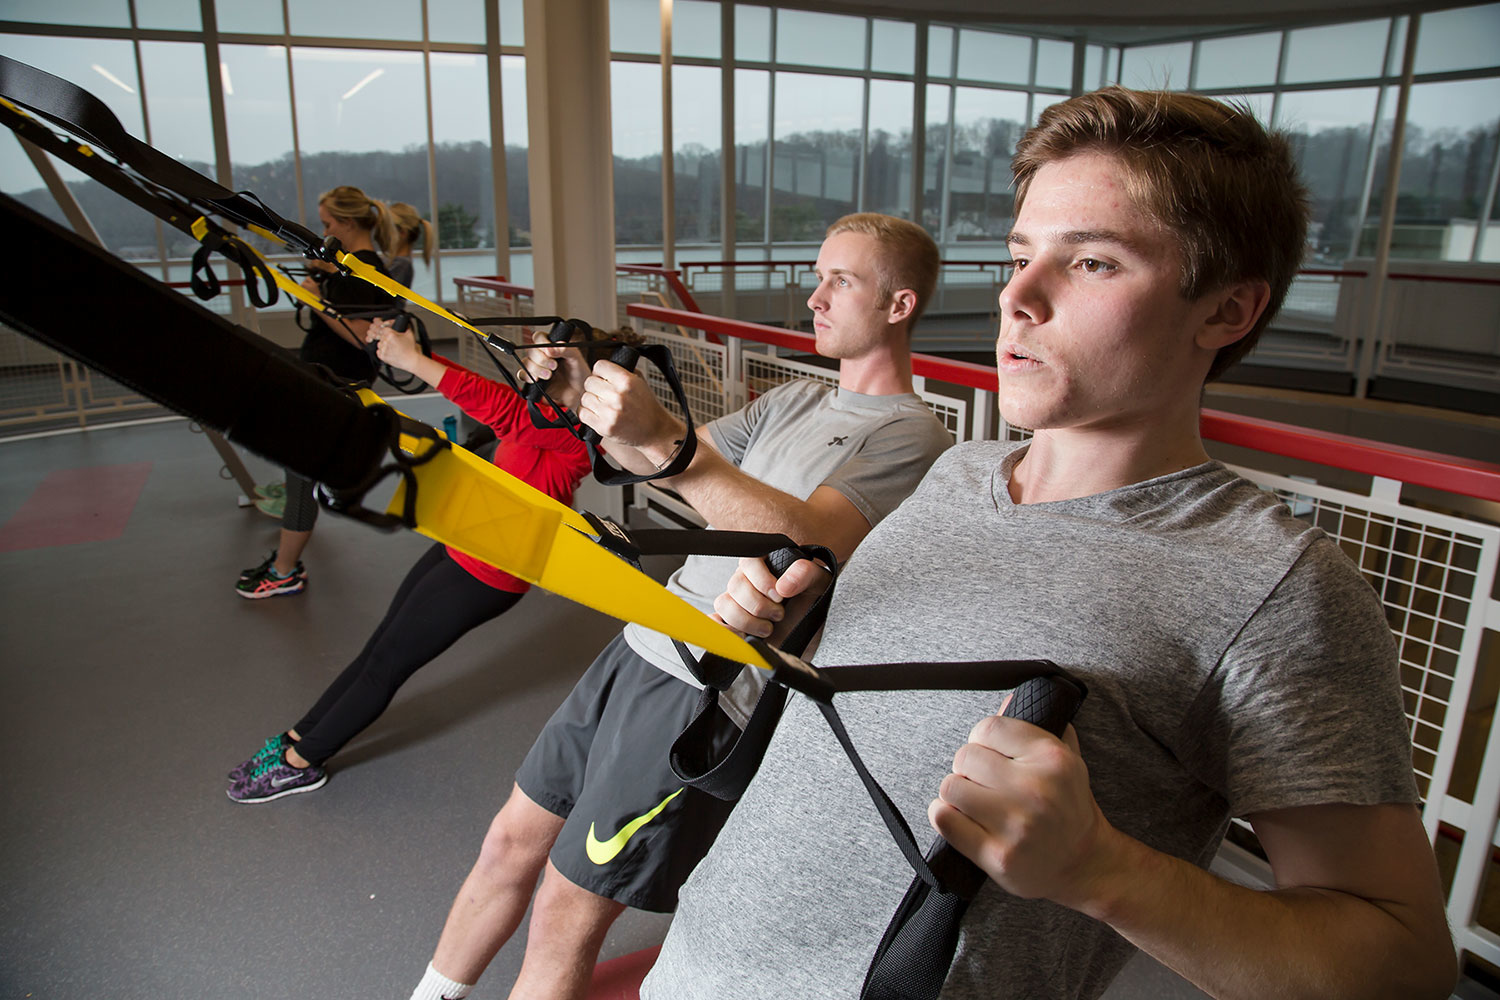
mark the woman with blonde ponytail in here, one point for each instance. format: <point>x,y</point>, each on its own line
<point>359,223</point>
<point>411,229</point>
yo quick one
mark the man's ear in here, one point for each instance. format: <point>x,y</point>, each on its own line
<point>1238,308</point>
<point>903,303</point>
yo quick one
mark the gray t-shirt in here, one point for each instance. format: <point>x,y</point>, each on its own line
<point>1235,659</point>
<point>797,437</point>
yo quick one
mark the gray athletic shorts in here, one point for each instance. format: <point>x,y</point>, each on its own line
<point>633,831</point>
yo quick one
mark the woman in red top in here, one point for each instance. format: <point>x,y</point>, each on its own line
<point>446,594</point>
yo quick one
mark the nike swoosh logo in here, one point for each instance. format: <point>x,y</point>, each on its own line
<point>603,852</point>
<point>278,782</point>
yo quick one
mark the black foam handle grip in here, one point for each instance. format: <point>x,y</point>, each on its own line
<point>401,322</point>
<point>1048,701</point>
<point>800,621</point>
<point>626,357</point>
<point>781,560</point>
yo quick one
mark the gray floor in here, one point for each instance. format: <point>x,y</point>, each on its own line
<point>133,679</point>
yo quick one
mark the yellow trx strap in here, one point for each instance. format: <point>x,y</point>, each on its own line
<point>392,287</point>
<point>465,502</point>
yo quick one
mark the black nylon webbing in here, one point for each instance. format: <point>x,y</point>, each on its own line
<point>170,349</point>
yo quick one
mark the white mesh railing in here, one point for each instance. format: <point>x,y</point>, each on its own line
<point>700,365</point>
<point>477,301</point>
<point>1434,574</point>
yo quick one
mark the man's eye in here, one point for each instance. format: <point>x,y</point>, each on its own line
<point>1017,264</point>
<point>1093,266</point>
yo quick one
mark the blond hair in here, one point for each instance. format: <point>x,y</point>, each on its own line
<point>412,228</point>
<point>348,203</point>
<point>906,256</point>
<point>1208,172</point>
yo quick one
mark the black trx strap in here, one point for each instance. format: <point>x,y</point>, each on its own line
<point>143,341</point>
<point>916,951</point>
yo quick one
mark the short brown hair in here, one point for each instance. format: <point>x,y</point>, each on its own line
<point>1206,171</point>
<point>907,258</point>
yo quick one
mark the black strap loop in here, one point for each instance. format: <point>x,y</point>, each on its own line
<point>914,955</point>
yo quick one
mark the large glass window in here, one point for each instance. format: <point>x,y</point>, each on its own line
<point>893,46</point>
<point>752,124</point>
<point>986,125</point>
<point>695,29</point>
<point>696,145</point>
<point>993,57</point>
<point>637,152</point>
<point>811,39</point>
<point>1467,38</point>
<point>1054,64</point>
<point>457,21</point>
<point>390,19</point>
<point>106,68</point>
<point>1238,61</point>
<point>888,152</point>
<point>517,175</point>
<point>177,103</point>
<point>1330,133</point>
<point>935,157</point>
<point>361,120</point>
<point>461,153</point>
<point>815,166</point>
<point>258,113</point>
<point>940,51</point>
<point>512,23</point>
<point>95,13</point>
<point>752,33</point>
<point>1157,67</point>
<point>1337,52</point>
<point>182,15</point>
<point>1446,169</point>
<point>635,26</point>
<point>249,18</point>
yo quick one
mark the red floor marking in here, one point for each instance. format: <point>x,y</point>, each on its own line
<point>77,505</point>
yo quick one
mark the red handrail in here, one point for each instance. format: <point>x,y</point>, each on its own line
<point>497,283</point>
<point>1456,279</point>
<point>672,278</point>
<point>1464,476</point>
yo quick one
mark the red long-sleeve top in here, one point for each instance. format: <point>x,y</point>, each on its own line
<point>550,459</point>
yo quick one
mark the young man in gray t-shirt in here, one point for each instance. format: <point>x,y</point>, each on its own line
<point>596,811</point>
<point>1236,662</point>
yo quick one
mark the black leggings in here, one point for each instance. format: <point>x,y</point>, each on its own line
<point>437,603</point>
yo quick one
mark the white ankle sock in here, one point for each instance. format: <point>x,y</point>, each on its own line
<point>436,986</point>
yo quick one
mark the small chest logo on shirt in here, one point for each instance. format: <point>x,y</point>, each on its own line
<point>839,440</point>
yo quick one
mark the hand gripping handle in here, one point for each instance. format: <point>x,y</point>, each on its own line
<point>627,357</point>
<point>561,332</point>
<point>802,615</point>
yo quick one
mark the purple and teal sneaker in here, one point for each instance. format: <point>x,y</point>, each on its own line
<point>275,778</point>
<point>271,750</point>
